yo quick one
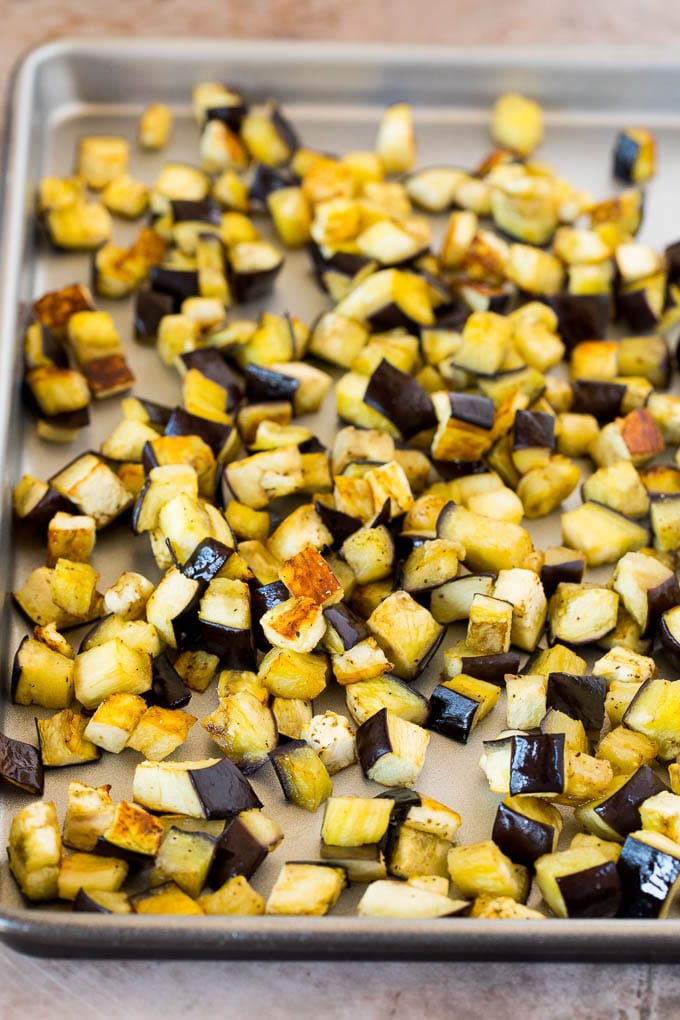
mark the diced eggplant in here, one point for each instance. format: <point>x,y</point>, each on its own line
<point>238,852</point>
<point>489,625</point>
<point>617,814</point>
<point>401,399</point>
<point>526,700</point>
<point>62,740</point>
<point>366,697</point>
<point>356,821</point>
<point>603,535</point>
<point>306,888</point>
<point>164,899</point>
<point>243,728</point>
<point>537,764</point>
<point>457,705</point>
<point>303,776</point>
<point>579,697</point>
<point>482,869</point>
<point>391,750</point>
<point>626,750</point>
<point>407,633</point>
<point>184,858</point>
<point>35,849</point>
<point>134,834</point>
<point>525,828</point>
<point>499,546</point>
<point>654,712</point>
<point>212,788</point>
<point>36,502</point>
<point>579,882</point>
<point>42,676</point>
<point>647,588</point>
<point>101,901</point>
<point>649,867</point>
<point>89,814</point>
<point>634,155</point>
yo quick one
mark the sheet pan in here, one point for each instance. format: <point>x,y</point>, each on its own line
<point>334,95</point>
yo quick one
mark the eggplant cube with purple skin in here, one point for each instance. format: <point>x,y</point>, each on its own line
<point>525,828</point>
<point>523,589</point>
<point>647,588</point>
<point>618,812</point>
<point>391,750</point>
<point>465,426</point>
<point>303,776</point>
<point>42,676</point>
<point>458,704</point>
<point>649,867</point>
<point>579,882</point>
<point>94,488</point>
<point>655,712</point>
<point>408,634</point>
<point>366,697</point>
<point>209,788</point>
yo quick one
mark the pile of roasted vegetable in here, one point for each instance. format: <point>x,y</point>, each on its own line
<point>286,567</point>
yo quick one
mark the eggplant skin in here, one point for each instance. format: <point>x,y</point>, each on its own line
<point>621,811</point>
<point>538,764</point>
<point>580,697</point>
<point>20,765</point>
<point>648,879</point>
<point>595,892</point>
<point>452,714</point>
<point>223,790</point>
<point>521,838</point>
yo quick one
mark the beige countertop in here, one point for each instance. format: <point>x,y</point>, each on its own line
<point>112,990</point>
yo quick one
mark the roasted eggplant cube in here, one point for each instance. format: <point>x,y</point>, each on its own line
<point>407,633</point>
<point>617,813</point>
<point>580,614</point>
<point>110,668</point>
<point>34,850</point>
<point>243,728</point>
<point>333,739</point>
<point>649,867</point>
<point>413,853</point>
<point>523,589</point>
<point>90,872</point>
<point>482,869</point>
<point>307,889</point>
<point>366,697</point>
<point>184,858</point>
<point>489,545</point>
<point>526,700</point>
<point>489,625</point>
<point>391,750</point>
<point>211,788</point>
<point>457,705</point>
<point>236,896</point>
<point>303,776</point>
<point>62,740</point>
<point>580,697</point>
<point>165,899</point>
<point>647,588</point>
<point>42,676</point>
<point>356,821</point>
<point>654,711</point>
<point>634,155</point>
<point>89,813</point>
<point>538,765</point>
<point>626,750</point>
<point>525,828</point>
<point>579,882</point>
<point>160,731</point>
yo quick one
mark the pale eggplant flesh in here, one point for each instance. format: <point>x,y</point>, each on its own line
<point>213,365</point>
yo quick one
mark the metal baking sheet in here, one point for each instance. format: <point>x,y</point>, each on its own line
<point>334,95</point>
